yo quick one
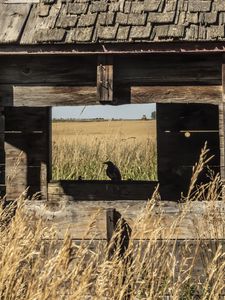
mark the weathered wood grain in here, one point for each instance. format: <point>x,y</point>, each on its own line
<point>17,95</point>
<point>48,70</point>
<point>171,69</point>
<point>176,94</point>
<point>105,78</point>
<point>11,27</point>
<point>78,216</point>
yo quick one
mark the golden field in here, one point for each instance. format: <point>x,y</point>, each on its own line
<point>80,148</point>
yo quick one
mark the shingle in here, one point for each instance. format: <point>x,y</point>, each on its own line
<point>77,8</point>
<point>44,10</point>
<point>151,5</point>
<point>87,20</point>
<point>98,6</point>
<point>215,32</point>
<point>106,18</point>
<point>171,5</point>
<point>107,32</point>
<point>66,21</point>
<point>137,7</point>
<point>137,19</point>
<point>123,32</point>
<point>49,35</point>
<point>81,34</point>
<point>209,18</point>
<point>161,17</point>
<point>176,31</point>
<point>140,32</point>
<point>219,5</point>
<point>192,32</point>
<point>114,6</point>
<point>192,18</point>
<point>199,5</point>
<point>121,18</point>
<point>162,31</point>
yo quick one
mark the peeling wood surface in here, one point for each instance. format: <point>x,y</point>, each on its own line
<point>78,216</point>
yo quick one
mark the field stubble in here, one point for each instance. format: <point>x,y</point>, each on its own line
<point>80,148</point>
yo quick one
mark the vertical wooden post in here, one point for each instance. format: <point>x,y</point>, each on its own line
<point>2,153</point>
<point>105,78</point>
<point>115,222</point>
<point>222,127</point>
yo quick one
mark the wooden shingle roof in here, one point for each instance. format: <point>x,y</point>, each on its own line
<point>100,21</point>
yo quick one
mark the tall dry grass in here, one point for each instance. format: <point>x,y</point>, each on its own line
<point>84,156</point>
<point>35,265</point>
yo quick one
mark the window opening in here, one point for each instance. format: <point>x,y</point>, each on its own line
<point>83,138</point>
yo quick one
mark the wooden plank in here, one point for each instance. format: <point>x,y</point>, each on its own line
<point>2,153</point>
<point>105,78</point>
<point>41,96</point>
<point>100,190</point>
<point>27,150</point>
<point>48,70</point>
<point>194,117</point>
<point>12,20</point>
<point>173,69</point>
<point>222,126</point>
<point>176,94</point>
<point>78,216</point>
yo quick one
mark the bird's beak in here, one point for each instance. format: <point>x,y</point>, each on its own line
<point>104,163</point>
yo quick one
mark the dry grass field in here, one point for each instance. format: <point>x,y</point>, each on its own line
<point>80,148</point>
<point>35,265</point>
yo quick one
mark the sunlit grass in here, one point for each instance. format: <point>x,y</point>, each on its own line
<point>76,155</point>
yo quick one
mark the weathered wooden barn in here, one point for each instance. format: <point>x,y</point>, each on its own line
<point>81,52</point>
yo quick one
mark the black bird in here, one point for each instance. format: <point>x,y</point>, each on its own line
<point>112,171</point>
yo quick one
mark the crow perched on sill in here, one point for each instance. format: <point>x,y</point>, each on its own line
<point>112,171</point>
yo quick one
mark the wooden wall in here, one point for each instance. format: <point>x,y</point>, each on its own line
<point>30,84</point>
<point>76,80</point>
<point>27,150</point>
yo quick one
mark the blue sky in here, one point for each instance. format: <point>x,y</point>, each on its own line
<point>130,111</point>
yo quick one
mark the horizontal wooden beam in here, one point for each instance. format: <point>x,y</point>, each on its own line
<point>176,94</point>
<point>38,96</point>
<point>21,95</point>
<point>76,218</point>
<point>101,190</point>
<point>115,48</point>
